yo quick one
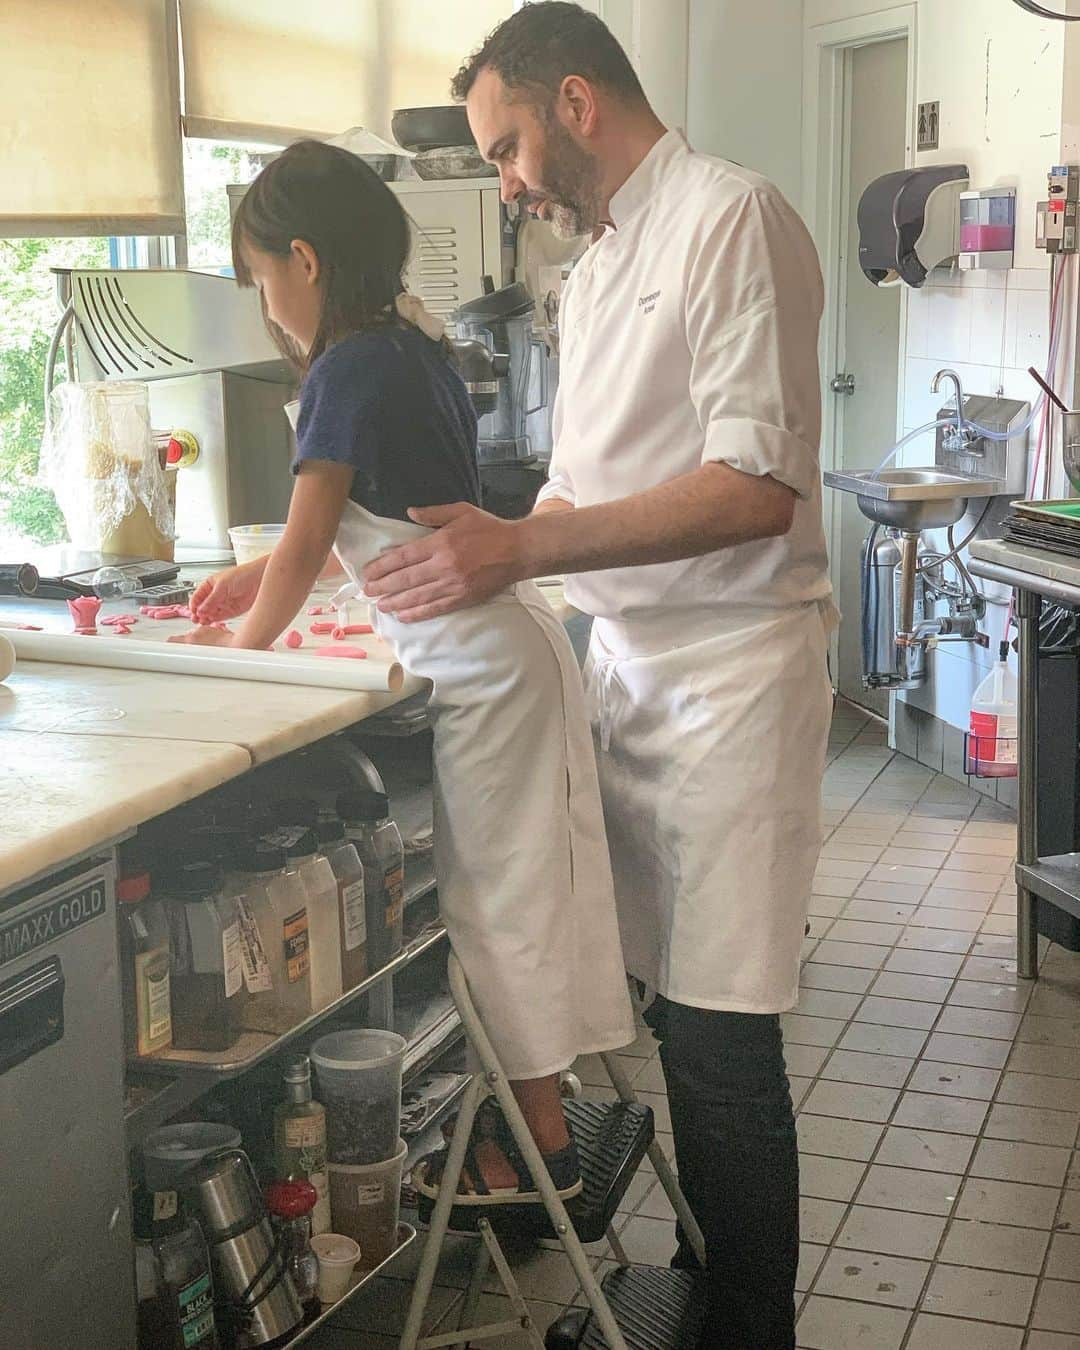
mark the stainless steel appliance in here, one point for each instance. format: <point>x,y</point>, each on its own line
<point>201,345</point>
<point>66,1275</point>
<point>503,321</point>
<point>252,1287</point>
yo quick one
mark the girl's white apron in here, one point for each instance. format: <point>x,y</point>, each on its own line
<point>521,858</point>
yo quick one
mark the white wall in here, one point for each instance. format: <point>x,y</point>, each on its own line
<point>744,93</point>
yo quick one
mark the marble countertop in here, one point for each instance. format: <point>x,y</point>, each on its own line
<point>89,753</point>
<point>1031,564</point>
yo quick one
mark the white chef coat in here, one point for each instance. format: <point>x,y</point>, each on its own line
<point>689,335</point>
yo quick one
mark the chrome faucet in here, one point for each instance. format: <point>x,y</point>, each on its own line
<point>962,438</point>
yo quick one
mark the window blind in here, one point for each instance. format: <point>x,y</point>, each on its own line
<point>89,118</point>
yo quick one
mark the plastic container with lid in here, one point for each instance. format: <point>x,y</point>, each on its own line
<point>206,970</point>
<point>992,735</point>
<point>359,1077</point>
<point>378,843</point>
<point>365,1202</point>
<point>272,906</point>
<point>254,541</point>
<point>171,1150</point>
<point>144,966</point>
<point>352,907</point>
<point>304,860</point>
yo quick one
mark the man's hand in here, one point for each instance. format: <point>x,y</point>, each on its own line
<point>471,556</point>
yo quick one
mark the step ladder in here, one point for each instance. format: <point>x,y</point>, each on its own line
<point>612,1138</point>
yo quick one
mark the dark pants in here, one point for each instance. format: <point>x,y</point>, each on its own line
<point>738,1163</point>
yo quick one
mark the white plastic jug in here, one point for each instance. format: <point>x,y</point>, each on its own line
<point>992,729</point>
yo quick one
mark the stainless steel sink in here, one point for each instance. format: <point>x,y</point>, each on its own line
<point>913,499</point>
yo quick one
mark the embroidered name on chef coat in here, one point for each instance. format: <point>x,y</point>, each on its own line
<point>647,303</point>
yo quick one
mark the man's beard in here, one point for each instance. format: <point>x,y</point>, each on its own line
<point>571,184</point>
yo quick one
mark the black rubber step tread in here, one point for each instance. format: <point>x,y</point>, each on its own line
<point>612,1139</point>
<point>655,1308</point>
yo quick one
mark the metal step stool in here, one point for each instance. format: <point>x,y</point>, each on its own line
<point>612,1140</point>
<point>613,1137</point>
<point>656,1309</point>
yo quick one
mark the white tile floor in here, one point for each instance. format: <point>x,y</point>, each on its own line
<point>939,1099</point>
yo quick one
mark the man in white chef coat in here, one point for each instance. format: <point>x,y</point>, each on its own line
<point>684,508</point>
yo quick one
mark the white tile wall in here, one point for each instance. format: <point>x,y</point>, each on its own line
<point>988,327</point>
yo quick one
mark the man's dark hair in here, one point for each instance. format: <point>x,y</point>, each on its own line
<point>536,48</point>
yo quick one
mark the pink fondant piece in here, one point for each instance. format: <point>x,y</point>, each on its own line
<point>352,630</point>
<point>355,653</point>
<point>317,609</point>
<point>322,629</point>
<point>84,611</point>
<point>112,620</point>
<point>294,639</point>
<point>121,630</point>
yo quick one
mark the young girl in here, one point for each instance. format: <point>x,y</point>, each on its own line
<point>385,424</point>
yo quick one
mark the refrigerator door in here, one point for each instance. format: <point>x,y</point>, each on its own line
<point>66,1274</point>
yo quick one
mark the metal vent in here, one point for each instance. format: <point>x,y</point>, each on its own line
<point>435,276</point>
<point>118,340</point>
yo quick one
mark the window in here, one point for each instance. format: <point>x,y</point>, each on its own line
<point>29,516</point>
<point>209,168</point>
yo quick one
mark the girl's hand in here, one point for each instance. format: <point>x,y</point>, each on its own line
<point>206,637</point>
<point>227,594</point>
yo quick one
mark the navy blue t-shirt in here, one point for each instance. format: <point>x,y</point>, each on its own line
<point>389,403</point>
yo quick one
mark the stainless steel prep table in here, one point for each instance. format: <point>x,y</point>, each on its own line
<point>1035,574</point>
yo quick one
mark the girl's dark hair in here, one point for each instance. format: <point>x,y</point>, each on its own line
<point>330,199</point>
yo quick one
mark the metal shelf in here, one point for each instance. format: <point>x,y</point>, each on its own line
<point>254,1046</point>
<point>406,1236</point>
<point>428,1139</point>
<point>426,1048</point>
<point>1056,879</point>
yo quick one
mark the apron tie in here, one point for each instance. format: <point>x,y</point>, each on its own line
<point>606,674</point>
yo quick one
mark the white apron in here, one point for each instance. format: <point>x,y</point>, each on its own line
<point>711,747</point>
<point>525,886</point>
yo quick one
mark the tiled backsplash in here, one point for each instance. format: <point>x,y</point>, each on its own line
<point>989,327</point>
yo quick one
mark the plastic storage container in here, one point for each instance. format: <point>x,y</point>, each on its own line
<point>254,541</point>
<point>272,905</point>
<point>206,972</point>
<point>144,966</point>
<point>378,842</point>
<point>304,860</point>
<point>359,1082</point>
<point>352,907</point>
<point>365,1204</point>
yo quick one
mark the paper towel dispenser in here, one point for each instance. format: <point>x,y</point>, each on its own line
<point>909,223</point>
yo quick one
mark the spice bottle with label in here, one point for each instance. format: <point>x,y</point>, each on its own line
<point>300,1139</point>
<point>304,860</point>
<point>206,972</point>
<point>144,966</point>
<point>272,906</point>
<point>352,909</point>
<point>173,1282</point>
<point>378,842</point>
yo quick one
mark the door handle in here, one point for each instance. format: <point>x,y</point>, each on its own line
<point>842,384</point>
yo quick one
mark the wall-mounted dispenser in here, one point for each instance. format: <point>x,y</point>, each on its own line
<point>987,228</point>
<point>909,223</point>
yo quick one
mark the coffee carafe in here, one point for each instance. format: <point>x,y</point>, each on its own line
<point>503,321</point>
<point>257,1300</point>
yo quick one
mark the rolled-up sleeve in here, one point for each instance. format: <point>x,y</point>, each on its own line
<point>753,309</point>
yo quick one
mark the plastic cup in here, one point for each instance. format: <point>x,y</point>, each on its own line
<point>254,541</point>
<point>365,1204</point>
<point>359,1082</point>
<point>337,1254</point>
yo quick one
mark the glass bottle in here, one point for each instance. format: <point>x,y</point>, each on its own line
<point>352,911</point>
<point>206,971</point>
<point>378,842</point>
<point>173,1281</point>
<point>304,860</point>
<point>291,1204</point>
<point>274,940</point>
<point>300,1139</point>
<point>144,966</point>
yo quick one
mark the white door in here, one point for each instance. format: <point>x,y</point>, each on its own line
<point>875,143</point>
